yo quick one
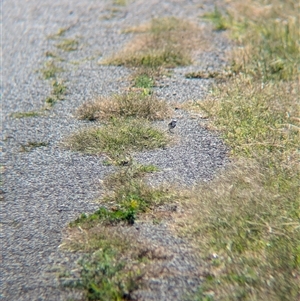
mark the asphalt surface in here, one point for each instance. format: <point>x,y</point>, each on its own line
<point>44,188</point>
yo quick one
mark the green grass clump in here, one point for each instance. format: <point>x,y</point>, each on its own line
<point>28,114</point>
<point>204,75</point>
<point>120,2</point>
<point>115,261</point>
<point>218,19</point>
<point>132,104</point>
<point>143,81</point>
<point>128,195</point>
<point>100,276</point>
<point>105,216</point>
<point>117,138</point>
<point>104,272</point>
<point>59,33</point>
<point>27,147</point>
<point>167,57</point>
<point>166,42</point>
<point>57,93</point>
<point>68,45</point>
<point>59,89</point>
<point>51,70</point>
<point>111,270</point>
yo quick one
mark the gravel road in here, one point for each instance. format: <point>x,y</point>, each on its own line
<point>46,187</point>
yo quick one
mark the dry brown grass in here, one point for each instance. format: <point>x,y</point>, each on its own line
<point>166,42</point>
<point>132,104</point>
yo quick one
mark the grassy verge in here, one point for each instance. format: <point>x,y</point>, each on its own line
<point>165,42</point>
<point>246,222</point>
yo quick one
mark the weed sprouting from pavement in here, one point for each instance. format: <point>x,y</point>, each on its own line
<point>27,147</point>
<point>132,104</point>
<point>165,42</point>
<point>112,267</point>
<point>68,45</point>
<point>104,274</point>
<point>51,70</point>
<point>117,138</point>
<point>60,33</point>
<point>120,2</point>
<point>28,114</point>
<point>58,91</point>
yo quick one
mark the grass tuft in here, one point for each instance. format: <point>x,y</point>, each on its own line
<point>59,89</point>
<point>28,114</point>
<point>120,2</point>
<point>68,45</point>
<point>60,33</point>
<point>114,264</point>
<point>207,75</point>
<point>32,145</point>
<point>165,42</point>
<point>57,93</point>
<point>143,81</point>
<point>128,195</point>
<point>104,273</point>
<point>50,70</point>
<point>217,18</point>
<point>132,104</point>
<point>117,138</point>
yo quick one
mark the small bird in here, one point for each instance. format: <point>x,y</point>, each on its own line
<point>172,125</point>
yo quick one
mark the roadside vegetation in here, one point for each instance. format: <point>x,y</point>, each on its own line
<point>246,222</point>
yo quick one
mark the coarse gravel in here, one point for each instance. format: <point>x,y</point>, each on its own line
<point>46,187</point>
